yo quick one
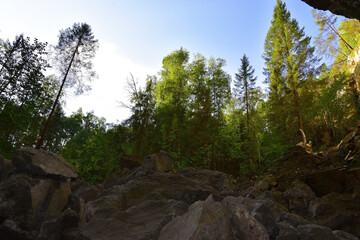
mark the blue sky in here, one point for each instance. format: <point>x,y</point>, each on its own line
<point>135,35</point>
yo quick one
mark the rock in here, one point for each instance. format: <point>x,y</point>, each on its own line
<point>286,232</point>
<point>341,235</point>
<point>154,187</point>
<point>161,162</point>
<point>5,168</point>
<point>217,180</point>
<point>119,178</point>
<point>26,202</point>
<point>41,163</point>
<point>327,182</point>
<point>347,8</point>
<point>244,226</point>
<point>82,195</point>
<point>299,197</point>
<point>143,221</point>
<point>204,220</point>
<point>312,231</point>
<point>265,210</point>
<point>292,219</point>
<point>265,183</point>
<point>128,161</point>
<point>56,229</point>
<point>336,211</point>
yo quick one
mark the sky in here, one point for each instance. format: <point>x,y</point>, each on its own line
<point>135,35</point>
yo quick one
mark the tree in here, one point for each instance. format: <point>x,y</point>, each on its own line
<point>75,50</point>
<point>21,71</point>
<point>143,109</point>
<point>172,99</point>
<point>289,62</point>
<point>245,84</point>
<point>327,40</point>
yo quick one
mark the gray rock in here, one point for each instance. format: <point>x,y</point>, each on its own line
<point>341,235</point>
<point>266,210</point>
<point>55,229</point>
<point>217,180</point>
<point>205,220</point>
<point>244,226</point>
<point>299,197</point>
<point>286,232</point>
<point>161,162</point>
<point>5,168</point>
<point>26,202</point>
<point>143,221</point>
<point>314,232</point>
<point>42,163</point>
<point>293,219</point>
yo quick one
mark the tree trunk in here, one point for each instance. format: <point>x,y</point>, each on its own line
<point>38,146</point>
<point>298,109</point>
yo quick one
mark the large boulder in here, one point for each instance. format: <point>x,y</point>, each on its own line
<point>62,227</point>
<point>153,187</point>
<point>26,202</point>
<point>5,168</point>
<point>142,221</point>
<point>161,162</point>
<point>42,164</point>
<point>204,220</point>
<point>244,225</point>
<point>299,197</point>
<point>312,231</point>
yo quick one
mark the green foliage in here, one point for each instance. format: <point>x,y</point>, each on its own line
<point>93,151</point>
<point>290,63</point>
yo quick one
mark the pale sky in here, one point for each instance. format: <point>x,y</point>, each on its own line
<point>135,35</point>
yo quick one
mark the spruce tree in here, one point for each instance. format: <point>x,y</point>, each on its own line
<point>289,63</point>
<point>245,84</point>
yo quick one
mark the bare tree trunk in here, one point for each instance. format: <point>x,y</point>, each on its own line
<point>38,146</point>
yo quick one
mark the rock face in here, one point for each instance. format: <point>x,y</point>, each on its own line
<point>347,8</point>
<point>32,192</point>
<point>43,201</point>
<point>41,163</point>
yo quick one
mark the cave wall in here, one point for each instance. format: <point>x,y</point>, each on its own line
<point>347,8</point>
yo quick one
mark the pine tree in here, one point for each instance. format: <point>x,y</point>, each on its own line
<point>75,50</point>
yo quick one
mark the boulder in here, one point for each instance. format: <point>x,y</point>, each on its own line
<point>244,226</point>
<point>262,185</point>
<point>299,197</point>
<point>26,202</point>
<point>286,232</point>
<point>204,220</point>
<point>266,210</point>
<point>42,164</point>
<point>161,162</point>
<point>337,211</point>
<point>344,235</point>
<point>142,221</point>
<point>312,231</point>
<point>82,195</point>
<point>327,182</point>
<point>128,161</point>
<point>5,168</point>
<point>57,229</point>
<point>153,187</point>
<point>217,180</point>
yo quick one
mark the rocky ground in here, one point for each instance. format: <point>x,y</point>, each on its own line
<point>305,197</point>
